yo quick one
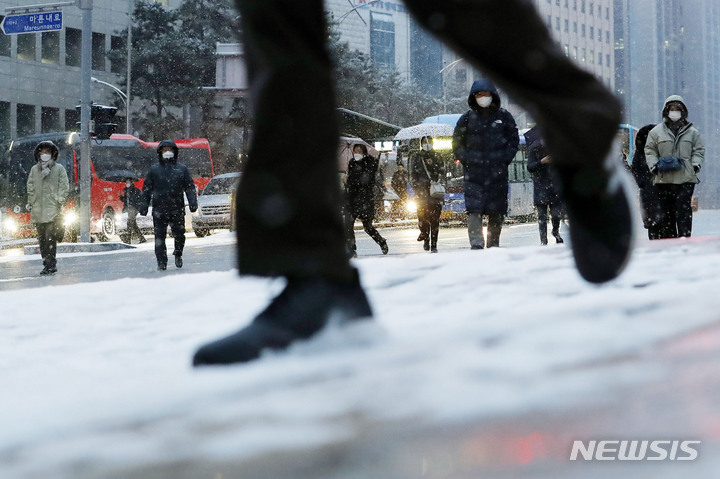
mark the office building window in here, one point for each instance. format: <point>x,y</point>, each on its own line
<point>382,39</point>
<point>575,53</point>
<point>557,23</point>
<point>607,36</point>
<point>98,51</point>
<point>567,26</point>
<point>50,47</point>
<point>592,33</point>
<point>26,46</point>
<point>567,50</point>
<point>592,56</point>
<point>607,60</point>
<point>72,120</point>
<point>4,120</point>
<point>574,4</point>
<point>575,28</point>
<point>117,43</point>
<point>73,41</point>
<point>582,58</point>
<point>592,8</point>
<point>582,6</point>
<point>25,117</point>
<point>50,119</point>
<point>582,29</point>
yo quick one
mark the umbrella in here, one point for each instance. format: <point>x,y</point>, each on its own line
<point>120,176</point>
<point>425,129</point>
<point>446,118</point>
<point>345,150</point>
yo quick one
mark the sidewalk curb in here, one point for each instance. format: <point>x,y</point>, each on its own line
<point>81,247</point>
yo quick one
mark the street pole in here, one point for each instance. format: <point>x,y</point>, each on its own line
<point>128,124</point>
<point>85,107</point>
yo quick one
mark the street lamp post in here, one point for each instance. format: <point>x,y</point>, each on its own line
<point>123,96</point>
<point>447,67</point>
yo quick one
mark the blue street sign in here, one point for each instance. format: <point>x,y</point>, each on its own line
<point>32,23</point>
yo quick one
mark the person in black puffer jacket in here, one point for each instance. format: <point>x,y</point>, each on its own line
<point>651,210</point>
<point>164,186</point>
<point>546,194</point>
<point>360,193</point>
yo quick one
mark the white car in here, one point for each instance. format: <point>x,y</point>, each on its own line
<point>214,204</point>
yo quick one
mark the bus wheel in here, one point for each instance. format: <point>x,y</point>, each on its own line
<point>108,225</point>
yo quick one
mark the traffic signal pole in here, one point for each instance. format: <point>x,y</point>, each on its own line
<point>85,107</point>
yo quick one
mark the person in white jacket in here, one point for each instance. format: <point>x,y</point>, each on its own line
<point>47,189</point>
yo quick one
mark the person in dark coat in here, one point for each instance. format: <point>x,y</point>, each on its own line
<point>485,142</point>
<point>360,192</point>
<point>426,166</point>
<point>651,209</point>
<point>164,187</point>
<point>546,194</point>
<point>132,199</point>
<point>399,182</point>
<point>288,216</point>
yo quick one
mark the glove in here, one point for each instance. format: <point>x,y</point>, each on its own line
<point>193,209</point>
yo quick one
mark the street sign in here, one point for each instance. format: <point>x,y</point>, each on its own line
<point>32,23</point>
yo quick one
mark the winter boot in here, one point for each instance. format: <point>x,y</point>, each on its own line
<point>543,233</point>
<point>303,309</point>
<point>178,259</point>
<point>426,244</point>
<point>556,235</point>
<point>600,218</point>
<point>423,236</point>
<point>384,247</point>
<point>162,266</point>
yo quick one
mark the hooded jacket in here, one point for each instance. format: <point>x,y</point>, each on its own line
<point>165,184</point>
<point>686,145</point>
<point>360,186</point>
<point>47,193</point>
<point>485,141</point>
<point>545,190</point>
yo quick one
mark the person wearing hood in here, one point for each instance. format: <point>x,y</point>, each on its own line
<point>651,210</point>
<point>132,199</point>
<point>546,194</point>
<point>675,153</point>
<point>288,218</point>
<point>47,188</point>
<point>485,141</point>
<point>360,191</point>
<point>164,187</point>
<point>427,166</point>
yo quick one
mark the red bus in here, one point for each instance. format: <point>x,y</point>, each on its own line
<point>112,160</point>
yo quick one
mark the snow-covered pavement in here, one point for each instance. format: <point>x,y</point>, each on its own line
<point>97,380</point>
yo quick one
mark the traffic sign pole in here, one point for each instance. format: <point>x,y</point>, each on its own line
<point>85,106</point>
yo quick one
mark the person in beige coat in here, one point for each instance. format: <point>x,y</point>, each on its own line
<point>675,152</point>
<point>47,188</point>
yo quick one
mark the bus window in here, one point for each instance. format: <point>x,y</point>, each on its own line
<point>108,161</point>
<point>197,161</point>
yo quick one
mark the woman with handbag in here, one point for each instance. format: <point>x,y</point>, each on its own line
<point>426,175</point>
<point>359,188</point>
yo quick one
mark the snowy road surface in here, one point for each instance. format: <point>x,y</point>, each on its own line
<point>478,364</point>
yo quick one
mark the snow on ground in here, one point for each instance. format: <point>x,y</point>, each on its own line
<point>100,372</point>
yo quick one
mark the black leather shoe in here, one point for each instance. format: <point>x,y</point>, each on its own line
<point>426,244</point>
<point>178,261</point>
<point>422,237</point>
<point>162,266</point>
<point>299,312</point>
<point>384,247</point>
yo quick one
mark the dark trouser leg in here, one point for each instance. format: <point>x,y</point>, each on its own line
<point>423,223</point>
<point>132,225</point>
<point>668,201</point>
<point>160,224</point>
<point>47,243</point>
<point>542,222</point>
<point>372,231</point>
<point>556,211</point>
<point>349,222</point>
<point>434,222</point>
<point>177,226</point>
<point>495,223</point>
<point>683,208</point>
<point>288,219</point>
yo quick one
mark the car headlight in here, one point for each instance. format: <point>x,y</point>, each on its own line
<point>411,205</point>
<point>10,225</point>
<point>70,218</point>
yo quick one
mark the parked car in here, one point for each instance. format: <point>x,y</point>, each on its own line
<point>214,204</point>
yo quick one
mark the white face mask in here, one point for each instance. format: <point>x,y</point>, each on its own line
<point>484,101</point>
<point>128,184</point>
<point>45,157</point>
<point>426,146</point>
<point>674,115</point>
<point>168,154</point>
<point>357,156</point>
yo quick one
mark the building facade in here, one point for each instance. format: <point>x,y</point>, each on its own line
<point>40,72</point>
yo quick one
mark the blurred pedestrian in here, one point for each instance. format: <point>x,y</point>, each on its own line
<point>426,166</point>
<point>546,195</point>
<point>485,142</point>
<point>287,209</point>
<point>47,188</point>
<point>399,182</point>
<point>360,190</point>
<point>674,153</point>
<point>164,187</point>
<point>649,201</point>
<point>132,199</point>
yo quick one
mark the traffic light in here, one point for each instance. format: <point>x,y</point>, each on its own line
<point>102,125</point>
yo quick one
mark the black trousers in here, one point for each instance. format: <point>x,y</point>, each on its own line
<point>367,226</point>
<point>47,240</point>
<point>161,221</point>
<point>556,211</point>
<point>132,226</point>
<point>675,201</point>
<point>288,218</point>
<point>429,220</point>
